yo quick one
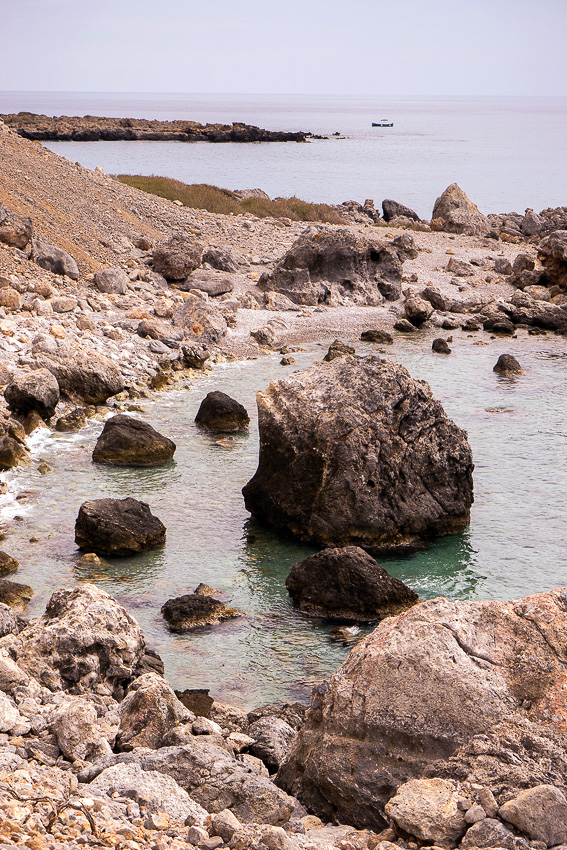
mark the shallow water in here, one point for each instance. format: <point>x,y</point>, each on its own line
<point>515,545</point>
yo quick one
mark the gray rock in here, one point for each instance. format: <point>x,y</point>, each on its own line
<point>502,265</point>
<point>338,348</point>
<point>429,810</point>
<point>15,229</point>
<point>79,735</point>
<point>492,833</point>
<point>523,309</point>
<point>376,335</point>
<point>335,467</point>
<point>176,259</point>
<point>114,281</point>
<point>54,259</point>
<point>36,390</point>
<point>269,335</point>
<point>540,812</point>
<point>440,346</point>
<point>148,712</point>
<point>201,321</point>
<point>12,454</point>
<point>213,283</point>
<point>117,527</point>
<point>417,310</point>
<point>8,623</point>
<point>90,378</point>
<point>224,260</point>
<point>455,213</point>
<point>272,740</point>
<point>126,441</point>
<point>195,356</point>
<point>10,718</point>
<point>225,824</point>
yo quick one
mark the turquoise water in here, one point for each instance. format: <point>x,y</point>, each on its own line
<point>516,543</point>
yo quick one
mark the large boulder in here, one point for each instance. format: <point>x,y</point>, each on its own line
<point>14,594</point>
<point>117,527</point>
<point>221,413</point>
<point>211,282</point>
<point>85,639</point>
<point>36,390</point>
<point>347,584</point>
<point>201,321</point>
<point>90,378</point>
<point>540,812</point>
<point>393,209</point>
<point>356,451</point>
<point>178,257</point>
<point>523,309</point>
<point>454,212</point>
<point>552,252</point>
<point>451,690</point>
<point>114,281</point>
<point>53,259</point>
<point>324,267</point>
<point>148,712</point>
<point>79,735</point>
<point>272,739</point>
<point>15,229</point>
<point>126,441</point>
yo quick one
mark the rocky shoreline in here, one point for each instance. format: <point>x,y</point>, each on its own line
<point>446,727</point>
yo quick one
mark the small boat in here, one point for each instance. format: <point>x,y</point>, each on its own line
<point>383,123</point>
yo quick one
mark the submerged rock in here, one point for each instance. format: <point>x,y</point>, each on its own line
<point>14,594</point>
<point>12,454</point>
<point>195,610</point>
<point>72,421</point>
<point>376,335</point>
<point>126,441</point>
<point>117,527</point>
<point>356,451</point>
<point>507,365</point>
<point>347,584</point>
<point>37,390</point>
<point>7,564</point>
<point>219,412</point>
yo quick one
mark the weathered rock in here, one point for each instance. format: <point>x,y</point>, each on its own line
<point>453,304</point>
<point>176,259</point>
<point>54,259</point>
<point>37,390</point>
<point>500,325</point>
<point>213,283</point>
<point>440,346</point>
<point>156,791</point>
<point>90,378</point>
<point>117,527</point>
<point>429,810</point>
<point>8,625</point>
<point>84,639</point>
<point>552,253</point>
<point>225,824</point>
<point>540,813</point>
<point>417,310</point>
<point>126,441</point>
<point>148,712</point>
<point>338,348</point>
<point>15,229</point>
<point>72,421</point>
<point>222,259</point>
<point>269,334</point>
<point>347,584</point>
<point>460,268</point>
<point>455,213</point>
<point>10,718</point>
<point>272,739</point>
<point>200,320</point>
<point>492,833</point>
<point>404,326</point>
<point>79,736</point>
<point>325,266</point>
<point>219,412</point>
<point>502,265</point>
<point>452,690</point>
<point>14,594</point>
<point>507,365</point>
<point>195,356</point>
<point>523,309</point>
<point>293,713</point>
<point>7,564</point>
<point>114,281</point>
<point>194,610</point>
<point>10,299</point>
<point>376,335</point>
<point>340,444</point>
<point>158,329</point>
<point>278,302</point>
<point>12,454</point>
<point>393,209</point>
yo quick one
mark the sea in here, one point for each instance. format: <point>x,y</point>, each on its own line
<point>507,153</point>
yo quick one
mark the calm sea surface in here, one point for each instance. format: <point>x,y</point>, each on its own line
<point>506,153</point>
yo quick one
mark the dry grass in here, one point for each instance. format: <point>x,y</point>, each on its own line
<point>201,196</point>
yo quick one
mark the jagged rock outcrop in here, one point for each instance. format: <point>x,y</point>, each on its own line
<point>347,584</point>
<point>552,252</point>
<point>452,690</point>
<point>356,451</point>
<point>36,390</point>
<point>454,212</point>
<point>90,378</point>
<point>117,527</point>
<point>126,441</point>
<point>323,267</point>
<point>218,412</point>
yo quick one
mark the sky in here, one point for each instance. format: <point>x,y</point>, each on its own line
<point>366,47</point>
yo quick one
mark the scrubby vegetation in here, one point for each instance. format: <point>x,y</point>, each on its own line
<point>201,196</point>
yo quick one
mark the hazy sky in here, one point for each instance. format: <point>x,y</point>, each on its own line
<point>294,46</point>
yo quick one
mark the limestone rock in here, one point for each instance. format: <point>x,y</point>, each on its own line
<point>194,610</point>
<point>356,451</point>
<point>222,259</point>
<point>177,258</point>
<point>200,320</point>
<point>53,259</point>
<point>36,390</point>
<point>492,833</point>
<point>507,365</point>
<point>272,740</point>
<point>540,813</point>
<point>552,253</point>
<point>90,378</point>
<point>126,441</point>
<point>347,584</point>
<point>114,281</point>
<point>75,724</point>
<point>338,348</point>
<point>428,809</point>
<point>15,229</point>
<point>148,712</point>
<point>10,717</point>
<point>225,824</point>
<point>12,454</point>
<point>523,309</point>
<point>451,690</point>
<point>195,356</point>
<point>74,420</point>
<point>8,620</point>
<point>376,335</point>
<point>221,413</point>
<point>417,310</point>
<point>455,213</point>
<point>269,334</point>
<point>213,283</point>
<point>117,527</point>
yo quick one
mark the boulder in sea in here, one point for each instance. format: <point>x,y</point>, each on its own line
<point>324,267</point>
<point>455,213</point>
<point>15,229</point>
<point>7,564</point>
<point>195,610</point>
<point>338,348</point>
<point>113,281</point>
<point>33,390</point>
<point>440,346</point>
<point>404,326</point>
<point>14,594</point>
<point>377,335</point>
<point>220,413</point>
<point>552,253</point>
<point>507,365</point>
<point>90,378</point>
<point>448,690</point>
<point>417,310</point>
<point>177,258</point>
<point>126,441</point>
<point>347,584</point>
<point>53,259</point>
<point>356,451</point>
<point>117,527</point>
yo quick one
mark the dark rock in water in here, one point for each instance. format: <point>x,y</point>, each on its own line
<point>356,451</point>
<point>15,229</point>
<point>323,267</point>
<point>392,209</point>
<point>338,349</point>
<point>200,320</point>
<point>552,253</point>
<point>195,610</point>
<point>196,700</point>
<point>178,257</point>
<point>507,365</point>
<point>90,378</point>
<point>221,413</point>
<point>221,259</point>
<point>418,310</point>
<point>376,335</point>
<point>449,690</point>
<point>12,454</point>
<point>37,390</point>
<point>404,326</point>
<point>72,421</point>
<point>272,740</point>
<point>126,441</point>
<point>195,356</point>
<point>7,564</point>
<point>14,594</point>
<point>455,213</point>
<point>118,527</point>
<point>347,584</point>
<point>53,259</point>
<point>213,283</point>
<point>440,346</point>
<point>499,325</point>
<point>113,281</point>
